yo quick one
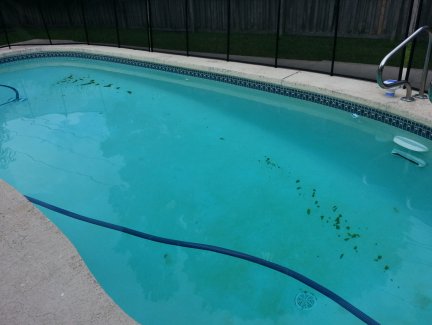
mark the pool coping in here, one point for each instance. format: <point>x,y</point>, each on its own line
<point>44,280</point>
<point>337,92</point>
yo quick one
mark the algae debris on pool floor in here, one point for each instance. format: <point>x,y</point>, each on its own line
<point>71,79</point>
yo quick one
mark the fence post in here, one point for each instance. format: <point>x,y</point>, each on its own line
<point>44,22</point>
<point>149,26</point>
<point>277,33</point>
<point>4,29</point>
<point>228,29</point>
<point>84,22</point>
<point>187,26</point>
<point>114,4</point>
<point>413,44</point>
<point>407,30</point>
<point>336,15</point>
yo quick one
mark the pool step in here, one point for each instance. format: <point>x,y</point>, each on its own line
<point>411,158</point>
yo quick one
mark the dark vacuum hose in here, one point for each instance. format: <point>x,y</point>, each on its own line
<point>220,250</point>
<point>17,97</point>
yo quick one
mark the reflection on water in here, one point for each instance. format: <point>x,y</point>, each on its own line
<point>6,154</point>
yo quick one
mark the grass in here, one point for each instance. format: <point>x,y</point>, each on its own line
<point>313,48</point>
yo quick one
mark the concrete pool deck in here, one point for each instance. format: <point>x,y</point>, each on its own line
<point>45,281</point>
<point>43,278</point>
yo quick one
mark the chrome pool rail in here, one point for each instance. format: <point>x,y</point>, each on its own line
<point>17,96</point>
<point>400,83</point>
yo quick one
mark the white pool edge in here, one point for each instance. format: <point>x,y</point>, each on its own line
<point>358,91</point>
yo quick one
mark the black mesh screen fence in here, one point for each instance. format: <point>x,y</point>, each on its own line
<point>24,23</point>
<point>420,46</point>
<point>208,28</point>
<point>100,19</point>
<point>368,30</point>
<point>169,25</point>
<point>133,24</point>
<point>3,37</point>
<point>342,37</point>
<point>64,21</point>
<point>3,41</point>
<point>306,34</point>
<point>253,25</point>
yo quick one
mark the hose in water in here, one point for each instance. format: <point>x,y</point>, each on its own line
<point>216,249</point>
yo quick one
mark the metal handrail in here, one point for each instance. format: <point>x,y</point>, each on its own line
<point>401,83</point>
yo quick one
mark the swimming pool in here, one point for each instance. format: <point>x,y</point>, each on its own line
<point>283,179</point>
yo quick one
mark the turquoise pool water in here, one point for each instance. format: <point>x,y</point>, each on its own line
<point>293,182</point>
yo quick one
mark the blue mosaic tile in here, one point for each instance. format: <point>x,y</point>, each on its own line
<point>359,109</point>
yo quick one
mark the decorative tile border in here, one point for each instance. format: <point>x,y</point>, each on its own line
<point>345,105</point>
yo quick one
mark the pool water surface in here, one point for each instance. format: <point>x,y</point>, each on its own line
<point>294,182</point>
